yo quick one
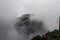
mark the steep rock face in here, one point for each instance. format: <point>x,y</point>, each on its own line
<point>28,28</point>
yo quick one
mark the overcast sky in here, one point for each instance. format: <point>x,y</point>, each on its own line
<point>45,10</point>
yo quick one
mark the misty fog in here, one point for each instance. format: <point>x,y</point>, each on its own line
<point>43,10</point>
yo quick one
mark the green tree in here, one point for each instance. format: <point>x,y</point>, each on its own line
<point>54,35</point>
<point>38,37</point>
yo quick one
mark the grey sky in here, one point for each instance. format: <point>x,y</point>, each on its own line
<point>45,10</point>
